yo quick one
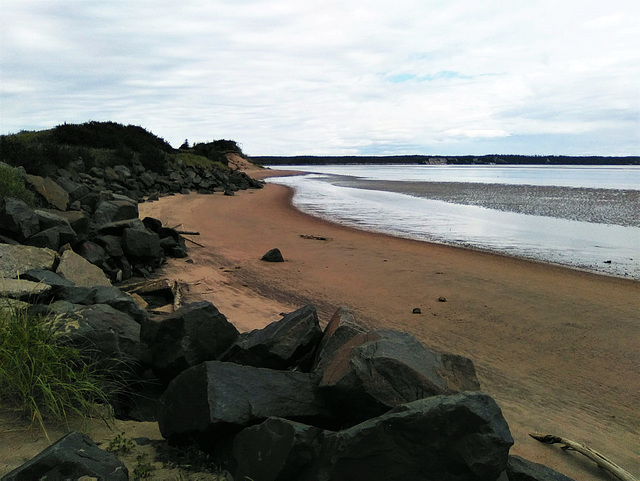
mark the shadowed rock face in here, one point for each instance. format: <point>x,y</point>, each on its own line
<point>378,370</point>
<point>282,344</point>
<point>17,219</point>
<point>462,437</point>
<point>72,457</point>
<point>218,397</point>
<point>519,469</point>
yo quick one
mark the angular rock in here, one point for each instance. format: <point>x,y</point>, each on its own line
<point>93,252</point>
<point>195,333</point>
<point>72,457</point>
<point>519,469</point>
<point>114,297</point>
<point>77,295</point>
<point>462,437</point>
<point>76,191</point>
<point>15,260</point>
<point>378,370</point>
<point>48,218</point>
<point>80,271</point>
<point>112,244</point>
<point>50,191</point>
<point>152,224</point>
<point>110,211</point>
<point>218,397</point>
<point>106,333</point>
<point>341,329</point>
<point>274,255</point>
<point>276,450</point>
<point>22,289</point>
<point>77,219</point>
<point>53,237</point>
<point>141,243</point>
<point>281,344</point>
<point>17,219</point>
<point>117,228</point>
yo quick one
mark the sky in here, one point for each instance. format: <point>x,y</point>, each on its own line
<point>332,77</point>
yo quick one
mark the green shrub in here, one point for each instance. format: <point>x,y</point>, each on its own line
<point>40,376</point>
<point>12,185</point>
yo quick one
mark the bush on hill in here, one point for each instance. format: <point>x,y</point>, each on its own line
<point>12,185</point>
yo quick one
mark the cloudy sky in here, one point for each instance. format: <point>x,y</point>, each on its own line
<point>339,77</point>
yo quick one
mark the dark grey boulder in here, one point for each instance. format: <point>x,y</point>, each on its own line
<point>283,344</point>
<point>112,244</point>
<point>276,450</point>
<point>141,243</point>
<point>94,253</point>
<point>47,277</point>
<point>49,238</point>
<point>341,329</point>
<point>519,469</point>
<point>77,219</point>
<point>48,218</point>
<point>72,457</point>
<point>274,255</point>
<point>110,211</point>
<point>378,370</point>
<point>195,333</point>
<point>462,437</point>
<point>114,297</point>
<point>75,190</point>
<point>111,336</point>
<point>17,219</point>
<point>117,228</point>
<point>152,224</point>
<point>220,397</point>
<point>80,295</point>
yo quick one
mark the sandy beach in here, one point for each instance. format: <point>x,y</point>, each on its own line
<point>557,348</point>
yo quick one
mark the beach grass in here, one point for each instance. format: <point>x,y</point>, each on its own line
<point>41,377</point>
<point>12,185</point>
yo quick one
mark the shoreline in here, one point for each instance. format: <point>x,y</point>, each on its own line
<point>555,346</point>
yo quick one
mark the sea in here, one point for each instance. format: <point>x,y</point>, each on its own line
<point>584,217</point>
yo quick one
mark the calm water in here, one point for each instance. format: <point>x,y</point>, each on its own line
<point>584,217</point>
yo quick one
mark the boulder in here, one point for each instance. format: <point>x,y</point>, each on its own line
<point>46,277</point>
<point>53,237</point>
<point>49,190</point>
<point>341,329</point>
<point>195,333</point>
<point>17,219</point>
<point>73,457</point>
<point>80,271</point>
<point>280,345</point>
<point>112,244</point>
<point>152,224</point>
<point>519,469</point>
<point>114,297</point>
<point>76,191</point>
<point>15,260</point>
<point>276,450</point>
<point>22,289</point>
<point>110,211</point>
<point>378,370</point>
<point>141,243</point>
<point>107,334</point>
<point>94,253</point>
<point>117,228</point>
<point>77,219</point>
<point>274,255</point>
<point>462,437</point>
<point>215,398</point>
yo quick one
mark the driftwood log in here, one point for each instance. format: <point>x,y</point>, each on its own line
<point>603,462</point>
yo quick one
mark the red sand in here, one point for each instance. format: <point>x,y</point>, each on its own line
<point>557,348</point>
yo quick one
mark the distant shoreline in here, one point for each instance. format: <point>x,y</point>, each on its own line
<point>500,159</point>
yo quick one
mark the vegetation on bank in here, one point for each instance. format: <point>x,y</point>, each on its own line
<point>104,144</point>
<point>451,160</point>
<point>41,376</point>
<point>12,185</point>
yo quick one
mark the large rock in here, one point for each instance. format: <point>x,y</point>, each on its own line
<point>341,329</point>
<point>50,191</point>
<point>378,370</point>
<point>47,277</point>
<point>219,397</point>
<point>273,255</point>
<point>22,289</point>
<point>76,191</point>
<point>17,220</point>
<point>53,237</point>
<point>78,220</point>
<point>276,450</point>
<point>107,334</point>
<point>110,211</point>
<point>195,333</point>
<point>519,469</point>
<point>72,457</point>
<point>141,243</point>
<point>462,437</point>
<point>281,344</point>
<point>15,260</point>
<point>80,271</point>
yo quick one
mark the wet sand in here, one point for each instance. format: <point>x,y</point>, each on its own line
<point>558,349</point>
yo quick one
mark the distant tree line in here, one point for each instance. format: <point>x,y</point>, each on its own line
<point>455,160</point>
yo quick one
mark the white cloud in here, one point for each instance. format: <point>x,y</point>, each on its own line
<point>333,77</point>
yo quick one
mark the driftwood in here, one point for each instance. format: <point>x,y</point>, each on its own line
<point>187,232</point>
<point>596,457</point>
<point>193,242</point>
<point>177,295</point>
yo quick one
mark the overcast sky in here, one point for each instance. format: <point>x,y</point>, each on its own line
<point>335,77</point>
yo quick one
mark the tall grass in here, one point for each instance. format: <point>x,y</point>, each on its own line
<point>40,376</point>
